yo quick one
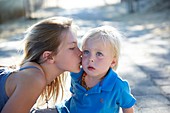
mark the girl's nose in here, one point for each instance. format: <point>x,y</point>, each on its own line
<point>79,52</point>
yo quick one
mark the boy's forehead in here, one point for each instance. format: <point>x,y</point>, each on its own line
<point>96,43</point>
<point>101,43</point>
<point>100,40</point>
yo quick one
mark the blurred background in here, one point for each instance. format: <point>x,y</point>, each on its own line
<point>145,58</point>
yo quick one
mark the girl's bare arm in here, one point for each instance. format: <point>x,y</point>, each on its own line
<point>27,90</point>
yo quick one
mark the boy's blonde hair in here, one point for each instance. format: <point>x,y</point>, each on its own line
<point>107,34</point>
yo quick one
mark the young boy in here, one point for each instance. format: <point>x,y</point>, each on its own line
<point>97,88</point>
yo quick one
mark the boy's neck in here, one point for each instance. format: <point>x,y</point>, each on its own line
<point>91,81</point>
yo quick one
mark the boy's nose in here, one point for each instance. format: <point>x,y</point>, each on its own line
<point>91,60</point>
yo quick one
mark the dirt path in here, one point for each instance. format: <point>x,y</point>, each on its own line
<point>145,60</point>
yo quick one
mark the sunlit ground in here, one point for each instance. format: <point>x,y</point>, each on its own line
<point>147,37</point>
<point>71,4</point>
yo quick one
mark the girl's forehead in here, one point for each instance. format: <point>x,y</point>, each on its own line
<point>69,37</point>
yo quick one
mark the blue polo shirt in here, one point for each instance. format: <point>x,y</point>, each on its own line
<point>105,97</point>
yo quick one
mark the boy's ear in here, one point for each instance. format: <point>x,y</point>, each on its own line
<point>48,57</point>
<point>113,63</point>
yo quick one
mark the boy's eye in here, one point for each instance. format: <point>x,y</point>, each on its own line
<point>99,54</point>
<point>85,52</point>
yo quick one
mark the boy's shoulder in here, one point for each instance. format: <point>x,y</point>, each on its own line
<point>116,81</point>
<point>122,82</point>
<point>76,76</point>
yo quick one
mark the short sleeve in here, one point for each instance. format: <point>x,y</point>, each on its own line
<point>126,99</point>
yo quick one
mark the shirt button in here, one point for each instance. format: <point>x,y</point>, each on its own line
<point>86,94</point>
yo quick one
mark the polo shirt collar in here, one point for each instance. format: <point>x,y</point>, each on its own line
<point>109,81</point>
<point>106,84</point>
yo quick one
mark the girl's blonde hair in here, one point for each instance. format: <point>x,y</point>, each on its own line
<point>46,35</point>
<point>107,34</point>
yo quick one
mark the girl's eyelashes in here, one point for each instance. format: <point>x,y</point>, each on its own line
<point>72,48</point>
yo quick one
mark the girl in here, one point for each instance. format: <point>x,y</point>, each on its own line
<point>49,45</point>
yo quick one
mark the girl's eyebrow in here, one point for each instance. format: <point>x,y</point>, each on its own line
<point>74,42</point>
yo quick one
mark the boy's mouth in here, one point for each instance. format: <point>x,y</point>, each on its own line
<point>90,68</point>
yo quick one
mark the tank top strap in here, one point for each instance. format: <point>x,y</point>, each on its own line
<point>28,67</point>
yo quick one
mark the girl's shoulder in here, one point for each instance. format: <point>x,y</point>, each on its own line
<point>31,75</point>
<point>31,72</point>
<point>25,80</point>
